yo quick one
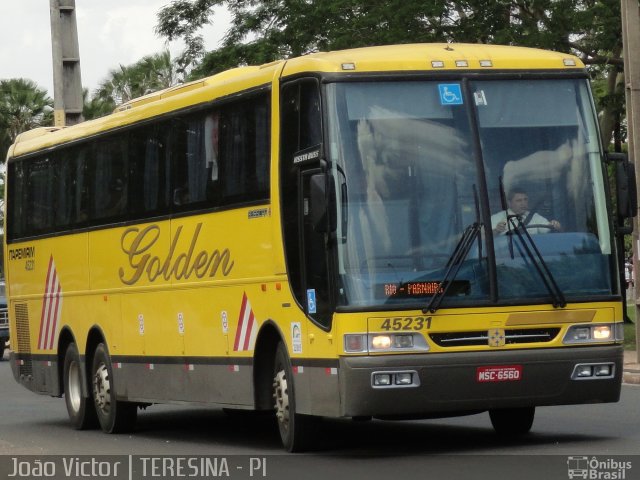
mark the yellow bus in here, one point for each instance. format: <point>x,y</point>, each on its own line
<point>390,232</point>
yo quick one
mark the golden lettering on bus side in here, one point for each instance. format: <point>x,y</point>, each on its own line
<point>183,266</point>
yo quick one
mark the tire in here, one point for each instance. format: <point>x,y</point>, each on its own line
<point>512,421</point>
<point>81,410</point>
<point>113,415</point>
<point>295,429</point>
<point>2,342</point>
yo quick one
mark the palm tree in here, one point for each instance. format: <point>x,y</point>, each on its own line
<point>96,107</point>
<point>151,73</point>
<point>159,71</point>
<point>23,106</point>
<point>119,87</point>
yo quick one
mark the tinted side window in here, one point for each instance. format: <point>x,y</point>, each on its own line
<point>210,159</point>
<point>16,217</point>
<point>148,171</point>
<point>109,179</point>
<point>72,185</point>
<point>244,151</point>
<point>192,173</point>
<point>221,157</point>
<point>40,206</point>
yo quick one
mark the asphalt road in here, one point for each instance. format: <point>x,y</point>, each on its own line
<point>464,447</point>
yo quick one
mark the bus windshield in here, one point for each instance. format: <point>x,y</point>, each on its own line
<point>412,181</point>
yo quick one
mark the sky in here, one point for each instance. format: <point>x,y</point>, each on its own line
<point>110,33</point>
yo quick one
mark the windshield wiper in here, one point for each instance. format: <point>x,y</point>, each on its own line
<point>534,255</point>
<point>453,265</point>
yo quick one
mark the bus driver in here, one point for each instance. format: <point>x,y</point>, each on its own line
<point>518,203</point>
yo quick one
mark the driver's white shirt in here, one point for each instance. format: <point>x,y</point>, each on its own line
<point>536,219</point>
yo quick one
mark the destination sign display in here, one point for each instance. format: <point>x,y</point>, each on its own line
<point>421,289</point>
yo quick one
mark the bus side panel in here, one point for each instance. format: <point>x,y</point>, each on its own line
<point>314,362</point>
<point>133,256</point>
<point>46,282</point>
<point>184,382</point>
<point>193,341</point>
<point>173,322</point>
<point>61,260</point>
<point>317,388</point>
<point>231,245</point>
<point>46,275</point>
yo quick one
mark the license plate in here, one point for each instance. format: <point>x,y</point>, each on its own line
<point>503,373</point>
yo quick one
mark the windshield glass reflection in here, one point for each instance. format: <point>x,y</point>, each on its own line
<point>410,189</point>
<point>403,156</point>
<point>543,163</point>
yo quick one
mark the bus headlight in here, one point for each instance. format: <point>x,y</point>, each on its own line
<point>381,342</point>
<point>384,342</point>
<point>602,332</point>
<point>606,332</point>
<point>403,341</point>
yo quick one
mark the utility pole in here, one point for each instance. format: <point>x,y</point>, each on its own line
<point>67,84</point>
<point>631,47</point>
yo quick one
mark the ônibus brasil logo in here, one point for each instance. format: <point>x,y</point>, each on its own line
<point>593,468</point>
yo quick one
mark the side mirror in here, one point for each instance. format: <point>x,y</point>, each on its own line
<point>322,203</point>
<point>626,192</point>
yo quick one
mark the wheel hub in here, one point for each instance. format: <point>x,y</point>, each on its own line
<point>73,387</point>
<point>281,397</point>
<point>102,388</point>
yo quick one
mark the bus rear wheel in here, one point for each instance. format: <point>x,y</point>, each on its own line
<point>293,427</point>
<point>512,421</point>
<point>114,416</point>
<point>80,408</point>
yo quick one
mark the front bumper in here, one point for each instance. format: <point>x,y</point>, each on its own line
<point>448,381</point>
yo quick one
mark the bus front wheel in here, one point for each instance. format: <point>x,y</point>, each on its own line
<point>80,408</point>
<point>114,416</point>
<point>512,421</point>
<point>293,427</point>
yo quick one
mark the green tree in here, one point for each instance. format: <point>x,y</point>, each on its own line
<point>265,30</point>
<point>151,73</point>
<point>23,106</point>
<point>95,107</point>
<point>121,86</point>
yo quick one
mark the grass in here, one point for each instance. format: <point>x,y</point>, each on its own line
<point>630,329</point>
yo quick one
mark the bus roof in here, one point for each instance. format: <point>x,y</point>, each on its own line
<point>410,57</point>
<point>433,56</point>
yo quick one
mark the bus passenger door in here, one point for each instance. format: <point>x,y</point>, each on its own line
<point>314,244</point>
<point>301,156</point>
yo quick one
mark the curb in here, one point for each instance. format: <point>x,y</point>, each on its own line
<point>631,377</point>
<point>631,368</point>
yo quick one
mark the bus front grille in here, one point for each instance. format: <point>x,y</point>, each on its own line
<point>482,337</point>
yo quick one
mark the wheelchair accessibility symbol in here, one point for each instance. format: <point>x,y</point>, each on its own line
<point>450,94</point>
<point>311,300</point>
